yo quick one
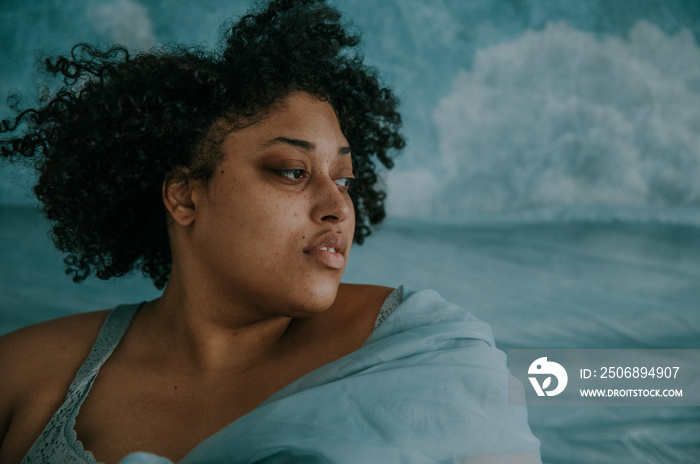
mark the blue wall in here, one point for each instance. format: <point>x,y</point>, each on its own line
<point>509,105</point>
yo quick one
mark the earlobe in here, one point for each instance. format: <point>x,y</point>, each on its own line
<point>177,198</point>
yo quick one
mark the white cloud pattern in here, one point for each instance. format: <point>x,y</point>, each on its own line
<point>561,117</point>
<point>124,21</point>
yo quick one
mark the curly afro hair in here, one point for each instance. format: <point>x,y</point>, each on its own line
<point>104,143</point>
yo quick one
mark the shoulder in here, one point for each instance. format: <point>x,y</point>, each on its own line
<point>361,302</point>
<point>351,317</point>
<point>50,343</point>
<point>38,363</point>
<point>362,295</point>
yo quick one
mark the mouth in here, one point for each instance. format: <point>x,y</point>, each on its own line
<point>328,250</point>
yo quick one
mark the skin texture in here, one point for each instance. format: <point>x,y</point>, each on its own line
<point>243,236</point>
<point>251,305</point>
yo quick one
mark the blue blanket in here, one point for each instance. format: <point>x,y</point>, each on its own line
<point>428,386</point>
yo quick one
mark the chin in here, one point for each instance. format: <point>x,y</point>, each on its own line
<point>319,296</point>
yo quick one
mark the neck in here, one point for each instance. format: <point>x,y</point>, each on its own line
<point>204,333</point>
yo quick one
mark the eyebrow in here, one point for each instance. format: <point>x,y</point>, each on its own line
<point>303,144</point>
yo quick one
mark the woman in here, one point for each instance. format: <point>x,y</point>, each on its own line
<point>238,183</point>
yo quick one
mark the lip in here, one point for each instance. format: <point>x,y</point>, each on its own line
<point>320,250</point>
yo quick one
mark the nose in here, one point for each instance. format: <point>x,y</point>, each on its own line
<point>331,203</point>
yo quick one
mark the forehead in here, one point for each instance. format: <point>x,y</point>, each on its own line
<point>305,120</point>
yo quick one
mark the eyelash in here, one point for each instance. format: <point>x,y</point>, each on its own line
<point>298,174</point>
<point>348,182</point>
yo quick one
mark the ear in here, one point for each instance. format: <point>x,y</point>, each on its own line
<point>177,196</point>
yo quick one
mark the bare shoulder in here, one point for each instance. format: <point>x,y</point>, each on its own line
<point>359,304</point>
<point>363,296</point>
<point>37,364</point>
<point>50,343</point>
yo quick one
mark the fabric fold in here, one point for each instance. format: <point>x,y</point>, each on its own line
<point>428,386</point>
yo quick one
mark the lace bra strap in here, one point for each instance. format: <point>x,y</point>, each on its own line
<point>111,333</point>
<point>58,442</point>
<point>390,304</point>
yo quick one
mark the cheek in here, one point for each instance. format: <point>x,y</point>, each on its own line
<point>273,218</point>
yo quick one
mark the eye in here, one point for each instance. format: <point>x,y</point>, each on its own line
<point>291,174</point>
<point>344,182</point>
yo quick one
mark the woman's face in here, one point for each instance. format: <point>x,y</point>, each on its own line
<point>274,226</point>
